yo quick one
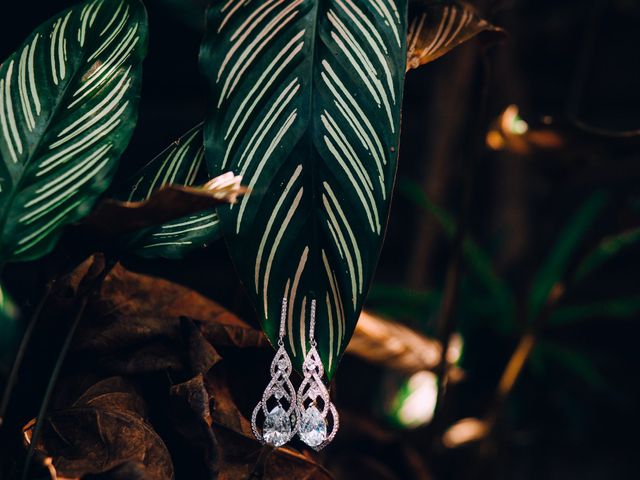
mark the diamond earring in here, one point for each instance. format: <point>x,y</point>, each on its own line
<point>280,424</point>
<point>315,408</point>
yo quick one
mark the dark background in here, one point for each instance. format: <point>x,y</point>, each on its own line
<point>570,60</point>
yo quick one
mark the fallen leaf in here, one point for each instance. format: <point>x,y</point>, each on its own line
<point>393,345</point>
<point>104,429</point>
<point>191,416</point>
<point>135,320</point>
<point>225,409</point>
<point>239,456</point>
<point>126,471</point>
<point>114,217</point>
<point>202,355</point>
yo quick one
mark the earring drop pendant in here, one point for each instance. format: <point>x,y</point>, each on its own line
<point>315,408</point>
<point>280,421</point>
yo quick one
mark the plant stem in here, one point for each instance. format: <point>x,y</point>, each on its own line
<point>22,349</point>
<point>37,429</point>
<point>511,374</point>
<point>446,319</point>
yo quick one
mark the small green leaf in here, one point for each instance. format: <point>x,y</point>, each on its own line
<point>606,309</point>
<point>10,330</point>
<point>554,267</point>
<point>182,163</point>
<point>68,106</point>
<point>573,361</point>
<point>605,251</point>
<point>478,261</point>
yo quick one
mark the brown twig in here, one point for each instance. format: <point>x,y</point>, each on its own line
<point>511,374</point>
<point>22,349</point>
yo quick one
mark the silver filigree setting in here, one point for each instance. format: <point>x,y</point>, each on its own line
<point>278,406</point>
<point>315,409</point>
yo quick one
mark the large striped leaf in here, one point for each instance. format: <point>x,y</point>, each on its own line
<point>182,163</point>
<point>68,106</point>
<point>306,107</point>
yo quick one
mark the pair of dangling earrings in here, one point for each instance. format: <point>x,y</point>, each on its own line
<point>308,412</point>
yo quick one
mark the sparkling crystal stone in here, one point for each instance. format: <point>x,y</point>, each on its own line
<point>282,364</point>
<point>277,427</point>
<point>313,429</point>
<point>314,392</point>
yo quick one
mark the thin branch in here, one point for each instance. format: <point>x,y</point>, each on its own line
<point>22,349</point>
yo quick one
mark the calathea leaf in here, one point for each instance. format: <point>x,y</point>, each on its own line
<point>437,27</point>
<point>182,163</point>
<point>68,106</point>
<point>306,99</point>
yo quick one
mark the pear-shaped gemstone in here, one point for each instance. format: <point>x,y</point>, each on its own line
<point>313,429</point>
<point>277,427</point>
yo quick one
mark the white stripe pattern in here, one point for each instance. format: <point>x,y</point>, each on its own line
<point>62,145</point>
<point>308,96</point>
<point>181,163</point>
<point>427,42</point>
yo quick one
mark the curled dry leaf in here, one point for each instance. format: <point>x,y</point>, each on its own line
<point>239,456</point>
<point>465,431</point>
<point>135,324</point>
<point>393,345</point>
<point>104,429</point>
<point>202,355</point>
<point>225,411</point>
<point>435,28</point>
<point>114,217</point>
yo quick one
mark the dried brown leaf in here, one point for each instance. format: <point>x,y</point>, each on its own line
<point>225,410</point>
<point>114,393</point>
<point>191,416</point>
<point>103,430</point>
<point>126,471</point>
<point>393,345</point>
<point>239,456</point>
<point>435,28</point>
<point>114,217</point>
<point>202,355</point>
<point>133,323</point>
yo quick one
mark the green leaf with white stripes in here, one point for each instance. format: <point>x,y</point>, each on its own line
<point>68,106</point>
<point>182,163</point>
<point>306,98</point>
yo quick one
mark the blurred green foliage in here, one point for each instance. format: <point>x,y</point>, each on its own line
<point>486,300</point>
